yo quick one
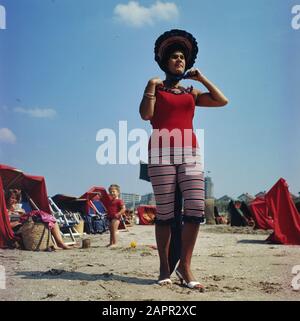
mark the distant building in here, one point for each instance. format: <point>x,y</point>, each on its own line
<point>260,194</point>
<point>130,199</point>
<point>148,199</point>
<point>225,199</point>
<point>245,197</point>
<point>209,187</point>
<point>222,203</point>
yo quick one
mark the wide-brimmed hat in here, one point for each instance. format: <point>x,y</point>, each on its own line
<point>172,38</point>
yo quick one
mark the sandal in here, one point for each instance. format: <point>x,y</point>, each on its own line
<point>164,281</point>
<point>192,284</point>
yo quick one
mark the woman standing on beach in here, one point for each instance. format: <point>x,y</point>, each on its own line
<point>173,147</point>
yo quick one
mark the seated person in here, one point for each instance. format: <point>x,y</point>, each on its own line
<point>247,221</point>
<point>15,212</point>
<point>13,198</point>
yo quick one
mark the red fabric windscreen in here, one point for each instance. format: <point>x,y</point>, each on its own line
<point>146,214</point>
<point>34,186</point>
<point>91,194</point>
<point>260,214</point>
<point>278,212</point>
<point>6,233</point>
<point>286,215</point>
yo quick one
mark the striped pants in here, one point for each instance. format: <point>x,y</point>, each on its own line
<point>165,171</point>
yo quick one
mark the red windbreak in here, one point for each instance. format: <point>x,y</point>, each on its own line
<point>34,186</point>
<point>146,214</point>
<point>93,194</point>
<point>6,233</point>
<point>277,211</point>
<point>259,212</point>
<point>286,215</point>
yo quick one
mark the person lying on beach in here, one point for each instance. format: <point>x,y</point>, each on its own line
<point>16,214</point>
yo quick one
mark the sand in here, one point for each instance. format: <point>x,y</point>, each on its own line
<point>233,264</point>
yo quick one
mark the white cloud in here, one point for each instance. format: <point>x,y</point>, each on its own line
<point>136,15</point>
<point>37,112</point>
<point>7,136</point>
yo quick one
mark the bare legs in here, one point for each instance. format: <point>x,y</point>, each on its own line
<point>113,228</point>
<point>58,238</point>
<point>188,239</point>
<point>163,237</point>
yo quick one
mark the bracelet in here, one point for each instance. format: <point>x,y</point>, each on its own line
<point>149,95</point>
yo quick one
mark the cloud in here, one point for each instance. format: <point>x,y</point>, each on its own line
<point>136,15</point>
<point>37,112</point>
<point>7,136</point>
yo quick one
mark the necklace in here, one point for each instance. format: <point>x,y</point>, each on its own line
<point>176,90</point>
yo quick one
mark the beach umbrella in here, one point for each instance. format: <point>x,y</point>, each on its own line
<point>6,233</point>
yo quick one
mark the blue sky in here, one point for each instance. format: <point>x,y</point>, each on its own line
<point>69,68</point>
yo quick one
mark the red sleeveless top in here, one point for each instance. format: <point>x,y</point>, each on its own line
<point>173,112</point>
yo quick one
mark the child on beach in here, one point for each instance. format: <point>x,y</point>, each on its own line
<point>115,209</point>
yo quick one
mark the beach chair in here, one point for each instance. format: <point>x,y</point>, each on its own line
<point>66,220</point>
<point>27,203</point>
<point>97,217</point>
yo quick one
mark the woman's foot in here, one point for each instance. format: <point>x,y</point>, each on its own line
<point>67,247</point>
<point>186,278</point>
<point>164,276</point>
<point>64,246</point>
<point>166,281</point>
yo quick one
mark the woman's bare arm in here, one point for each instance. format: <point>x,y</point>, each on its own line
<point>148,102</point>
<point>213,98</point>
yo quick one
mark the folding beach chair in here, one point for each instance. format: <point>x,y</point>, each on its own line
<point>97,214</point>
<point>27,203</point>
<point>66,220</point>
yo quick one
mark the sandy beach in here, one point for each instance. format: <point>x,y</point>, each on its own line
<point>233,264</point>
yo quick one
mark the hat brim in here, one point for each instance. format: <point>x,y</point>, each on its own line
<point>172,37</point>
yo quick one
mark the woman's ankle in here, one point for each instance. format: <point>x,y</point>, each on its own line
<point>164,272</point>
<point>184,269</point>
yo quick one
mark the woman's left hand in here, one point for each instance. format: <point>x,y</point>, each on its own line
<point>195,74</point>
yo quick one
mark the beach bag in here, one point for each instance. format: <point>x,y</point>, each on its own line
<point>36,236</point>
<point>88,226</point>
<point>95,224</point>
<point>99,225</point>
